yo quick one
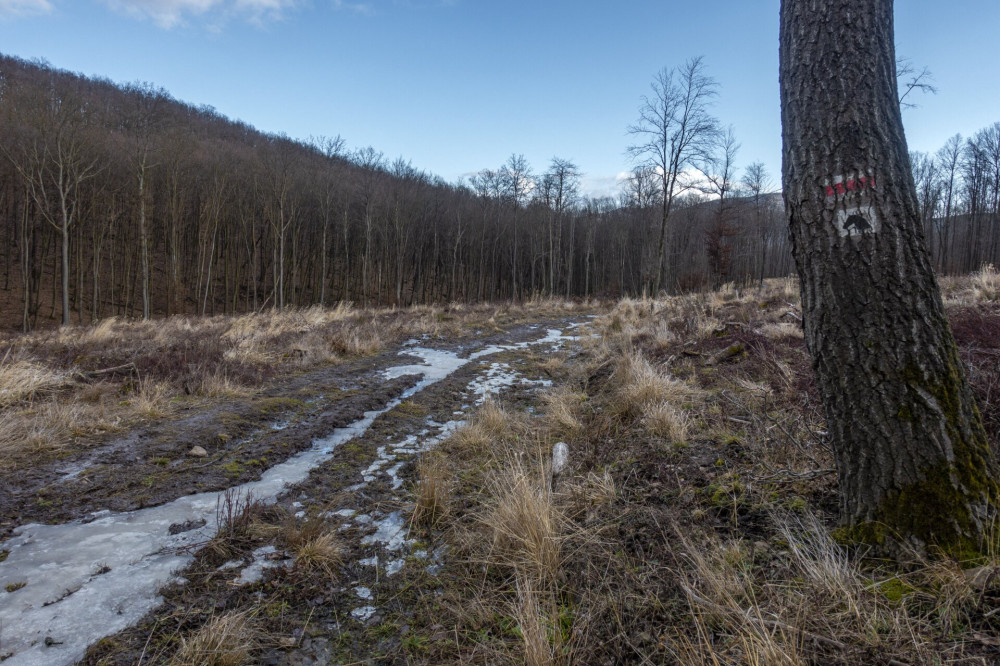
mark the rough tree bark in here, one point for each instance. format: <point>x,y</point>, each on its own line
<point>913,459</point>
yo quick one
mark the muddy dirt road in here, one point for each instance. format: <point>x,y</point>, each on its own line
<point>90,540</point>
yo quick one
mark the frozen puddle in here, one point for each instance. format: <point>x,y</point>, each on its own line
<point>498,376</point>
<point>391,530</point>
<point>78,582</point>
<point>263,558</point>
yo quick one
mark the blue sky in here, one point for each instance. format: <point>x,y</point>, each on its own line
<point>458,85</point>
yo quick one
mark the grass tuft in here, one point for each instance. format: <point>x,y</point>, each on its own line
<point>23,381</point>
<point>225,640</point>
<point>665,420</point>
<point>523,519</point>
<point>322,552</point>
<point>433,491</point>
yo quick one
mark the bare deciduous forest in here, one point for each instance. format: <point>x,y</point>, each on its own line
<point>119,200</point>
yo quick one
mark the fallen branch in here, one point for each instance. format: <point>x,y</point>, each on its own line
<point>93,374</point>
<point>791,313</point>
<point>788,476</point>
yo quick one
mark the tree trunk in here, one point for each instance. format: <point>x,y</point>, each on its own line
<point>65,272</point>
<point>26,265</point>
<point>912,456</point>
<point>143,240</point>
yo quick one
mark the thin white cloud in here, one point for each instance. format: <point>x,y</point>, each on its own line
<point>14,8</point>
<point>165,13</point>
<point>171,13</point>
<point>603,186</point>
<point>265,10</point>
<point>365,8</point>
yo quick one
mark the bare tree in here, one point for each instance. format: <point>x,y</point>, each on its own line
<point>518,182</point>
<point>948,156</point>
<point>143,122</point>
<point>757,182</point>
<point>927,179</point>
<point>54,159</point>
<point>332,150</point>
<point>912,456</point>
<point>675,132</point>
<point>910,80</point>
<point>560,187</point>
<point>641,189</point>
<point>372,163</point>
<point>720,177</point>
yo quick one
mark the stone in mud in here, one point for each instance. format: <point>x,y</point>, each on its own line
<point>186,526</point>
<point>560,458</point>
<point>197,452</point>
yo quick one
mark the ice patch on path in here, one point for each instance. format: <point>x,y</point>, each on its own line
<point>363,614</point>
<point>344,513</point>
<point>390,532</point>
<point>499,376</point>
<point>261,560</point>
<point>65,599</point>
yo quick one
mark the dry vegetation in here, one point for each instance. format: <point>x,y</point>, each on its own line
<point>226,640</point>
<point>63,390</point>
<point>696,524</point>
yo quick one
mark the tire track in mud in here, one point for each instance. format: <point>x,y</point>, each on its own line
<point>150,465</point>
<point>87,579</point>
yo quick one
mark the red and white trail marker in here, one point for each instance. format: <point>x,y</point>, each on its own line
<point>855,212</point>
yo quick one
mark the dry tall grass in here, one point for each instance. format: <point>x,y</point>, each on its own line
<point>542,641</point>
<point>667,421</point>
<point>982,286</point>
<point>47,378</point>
<point>562,407</point>
<point>719,552</point>
<point>225,640</point>
<point>25,380</point>
<point>321,552</point>
<point>489,425</point>
<point>513,526</point>
<point>523,521</point>
<point>816,603</point>
<point>433,490</point>
<point>644,393</point>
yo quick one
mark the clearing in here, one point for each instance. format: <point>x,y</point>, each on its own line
<point>345,486</point>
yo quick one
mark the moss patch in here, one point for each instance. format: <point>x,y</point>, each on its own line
<point>936,512</point>
<point>895,590</point>
<point>272,406</point>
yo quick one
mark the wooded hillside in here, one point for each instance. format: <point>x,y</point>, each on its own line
<point>120,200</point>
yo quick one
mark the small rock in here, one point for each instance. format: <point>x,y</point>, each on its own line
<point>981,578</point>
<point>186,526</point>
<point>560,457</point>
<point>198,452</point>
